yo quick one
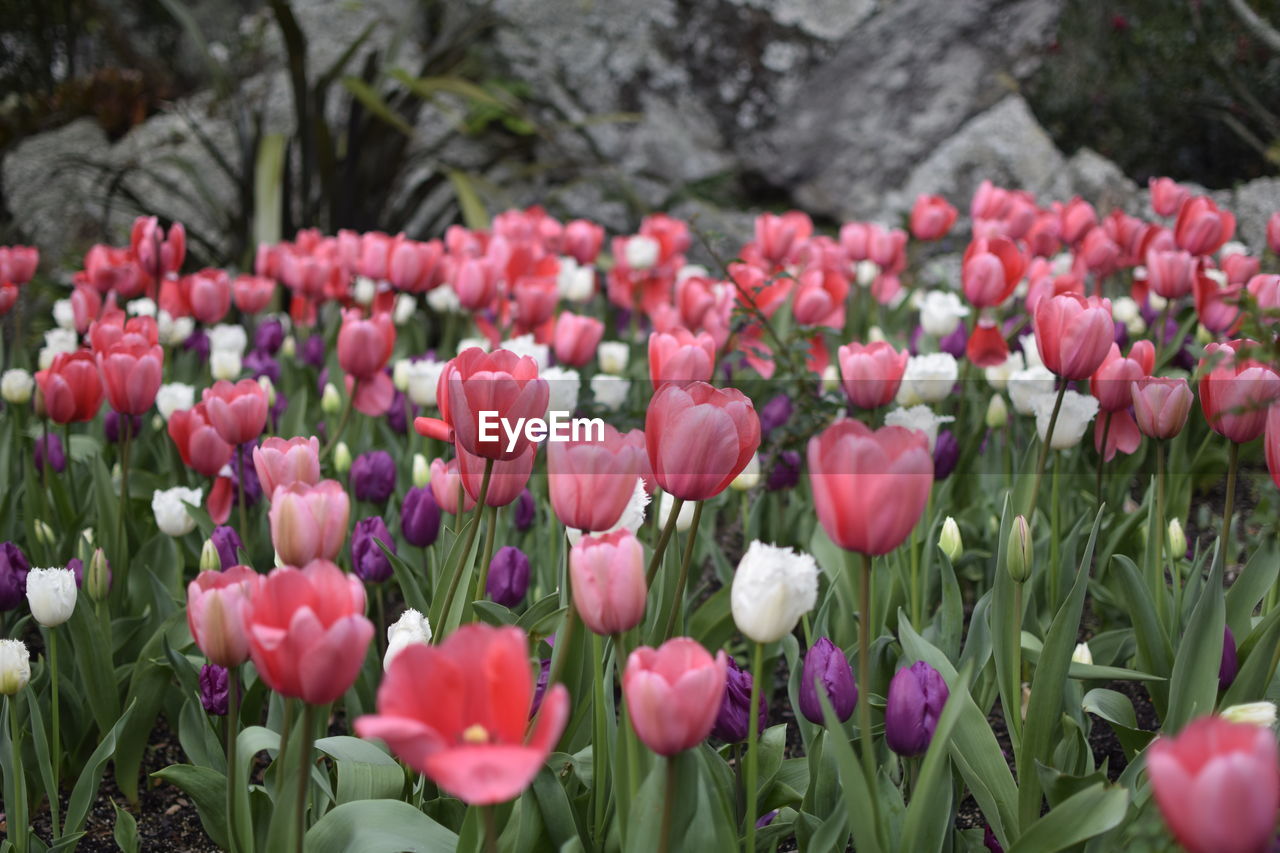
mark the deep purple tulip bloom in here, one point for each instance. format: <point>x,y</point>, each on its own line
<point>398,414</point>
<point>76,565</point>
<point>269,336</point>
<point>508,576</point>
<point>525,512</point>
<point>312,352</point>
<point>113,428</point>
<point>732,720</point>
<point>373,476</point>
<point>946,453</point>
<point>775,413</point>
<point>214,685</point>
<point>13,576</point>
<point>785,473</point>
<point>916,696</point>
<point>826,665</point>
<point>228,544</point>
<point>198,343</point>
<point>990,841</point>
<point>260,363</point>
<point>49,447</point>
<point>766,819</point>
<point>367,559</point>
<point>420,517</point>
<point>954,343</point>
<point>1230,662</point>
<point>252,485</point>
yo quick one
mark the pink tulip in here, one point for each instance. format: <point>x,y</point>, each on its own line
<point>364,345</point>
<point>131,373</point>
<point>413,266</point>
<point>1170,273</point>
<point>209,294</point>
<point>1074,334</point>
<point>1265,289</point>
<point>307,631</point>
<point>283,462</point>
<point>375,248</point>
<point>931,217</point>
<point>508,479</point>
<point>680,357</point>
<point>1161,405</point>
<point>591,481</point>
<point>869,487</point>
<point>1166,195</point>
<point>582,240</point>
<point>607,574</point>
<point>1217,784</point>
<point>1078,217</point>
<point>253,293</point>
<point>575,338</point>
<point>238,411</point>
<point>1202,227</point>
<point>18,263</point>
<point>1120,431</point>
<point>501,384</point>
<point>309,522</point>
<point>199,443</point>
<point>446,486</point>
<point>820,298</point>
<point>1273,232</point>
<point>1217,304</point>
<point>1236,390</point>
<point>699,438</point>
<point>778,238</point>
<point>475,280</point>
<point>673,693</point>
<point>216,606</point>
<point>871,374</point>
<point>1110,382</point>
<point>157,253</point>
<point>991,270</point>
<point>1273,444</point>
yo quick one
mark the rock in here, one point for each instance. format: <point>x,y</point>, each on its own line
<point>1093,177</point>
<point>1253,205</point>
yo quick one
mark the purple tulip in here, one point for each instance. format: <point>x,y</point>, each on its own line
<point>76,565</point>
<point>916,696</point>
<point>213,689</point>
<point>826,665</point>
<point>1230,662</point>
<point>373,476</point>
<point>990,841</point>
<point>398,414</point>
<point>228,544</point>
<point>766,819</point>
<point>955,343</point>
<point>946,453</point>
<point>13,576</point>
<point>775,413</point>
<point>260,363</point>
<point>198,343</point>
<point>913,340</point>
<point>540,689</point>
<point>508,576</point>
<point>785,473</point>
<point>242,461</point>
<point>525,512</point>
<point>113,430</point>
<point>367,559</point>
<point>420,517</point>
<point>49,447</point>
<point>269,336</point>
<point>732,720</point>
<point>312,352</point>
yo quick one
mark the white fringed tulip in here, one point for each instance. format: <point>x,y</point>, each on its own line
<point>772,588</point>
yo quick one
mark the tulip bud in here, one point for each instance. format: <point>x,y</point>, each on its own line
<point>289,346</point>
<point>508,579</point>
<point>1203,335</point>
<point>330,400</point>
<point>1020,551</point>
<point>917,695</point>
<point>98,577</point>
<point>209,559</point>
<point>1254,713</point>
<point>733,719</point>
<point>51,593</point>
<point>16,386</point>
<point>772,588</point>
<point>1177,540</point>
<point>613,357</point>
<point>749,477</point>
<point>15,666</point>
<point>997,413</point>
<point>949,540</point>
<point>214,689</point>
<point>830,378</point>
<point>341,457</point>
<point>412,627</point>
<point>400,374</point>
<point>826,667</point>
<point>269,388</point>
<point>875,333</point>
<point>44,533</point>
<point>421,471</point>
<point>1082,654</point>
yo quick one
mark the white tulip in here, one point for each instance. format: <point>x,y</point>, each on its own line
<point>928,378</point>
<point>330,399</point>
<point>174,396</point>
<point>363,290</point>
<point>226,337</point>
<point>51,594</point>
<point>1254,713</point>
<point>444,300</point>
<point>866,272</point>
<point>173,331</point>
<point>422,379</point>
<point>61,340</point>
<point>15,666</point>
<point>613,356</point>
<point>949,539</point>
<point>641,252</point>
<point>1026,385</point>
<point>224,364</point>
<point>919,418</point>
<point>632,517</point>
<point>478,343</point>
<point>400,374</point>
<point>526,345</point>
<point>998,375</point>
<point>1082,654</point>
<point>575,282</point>
<point>997,413</point>
<point>16,386</point>
<point>610,391</point>
<point>772,588</point>
<point>63,314</point>
<point>412,627</point>
<point>565,386</point>
<point>406,307</point>
<point>683,521</point>
<point>1030,350</point>
<point>1073,418</point>
<point>749,477</point>
<point>170,508</point>
<point>141,307</point>
<point>421,471</point>
<point>941,312</point>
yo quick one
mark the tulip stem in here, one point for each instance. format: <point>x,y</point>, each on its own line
<point>668,804</point>
<point>19,829</point>
<point>1044,452</point>
<point>244,527</point>
<point>233,726</point>
<point>66,444</point>
<point>491,529</point>
<point>628,734</point>
<point>342,422</point>
<point>599,738</point>
<point>1157,578</point>
<point>122,531</point>
<point>864,673</point>
<point>1013,716</point>
<point>753,752</point>
<point>304,771</point>
<point>490,829</point>
<point>677,604</point>
<point>55,748</point>
<point>464,556</point>
<point>669,528</point>
<point>1102,456</point>
<point>1228,509</point>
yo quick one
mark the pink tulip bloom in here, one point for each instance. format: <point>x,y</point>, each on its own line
<point>1167,195</point>
<point>869,487</point>
<point>364,345</point>
<point>673,693</point>
<point>458,712</point>
<point>1202,227</point>
<point>699,438</point>
<point>507,481</point>
<point>991,270</point>
<point>1074,334</point>
<point>583,240</point>
<point>307,631</point>
<point>1273,444</point>
<point>131,372</point>
<point>1236,390</point>
<point>1120,431</point>
<point>1110,382</point>
<point>253,293</point>
<point>238,410</point>
<point>502,384</point>
<point>607,574</point>
<point>309,522</point>
<point>1217,304</point>
<point>1078,217</point>
<point>216,606</point>
<point>199,443</point>
<point>157,253</point>
<point>931,217</point>
<point>1170,272</point>
<point>871,373</point>
<point>575,338</point>
<point>1217,784</point>
<point>591,481</point>
<point>1161,405</point>
<point>283,462</point>
<point>475,280</point>
<point>680,357</point>
<point>209,294</point>
<point>446,486</point>
<point>779,238</point>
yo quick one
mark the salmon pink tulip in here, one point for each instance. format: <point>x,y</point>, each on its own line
<point>673,693</point>
<point>364,345</point>
<point>591,481</point>
<point>871,373</point>
<point>71,387</point>
<point>309,522</point>
<point>1235,390</point>
<point>575,338</point>
<point>680,357</point>
<point>991,270</point>
<point>446,485</point>
<point>699,438</point>
<point>238,411</point>
<point>216,605</point>
<point>1202,227</point>
<point>501,384</point>
<point>931,217</point>
<point>201,446</point>
<point>508,480</point>
<point>131,372</point>
<point>1074,334</point>
<point>1111,382</point>
<point>1161,405</point>
<point>283,462</point>
<point>608,581</point>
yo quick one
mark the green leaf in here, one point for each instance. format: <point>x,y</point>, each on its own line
<point>1261,653</point>
<point>1118,712</point>
<point>1091,812</point>
<point>364,771</point>
<point>1154,651</point>
<point>86,787</point>
<point>126,830</point>
<point>1193,686</point>
<point>376,104</point>
<point>473,211</point>
<point>1255,580</point>
<point>208,790</point>
<point>268,188</point>
<point>553,805</point>
<point>858,800</point>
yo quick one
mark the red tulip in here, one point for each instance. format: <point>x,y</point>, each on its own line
<point>216,606</point>
<point>131,371</point>
<point>446,486</point>
<point>1217,784</point>
<point>1167,195</point>
<point>931,217</point>
<point>991,271</point>
<point>869,487</point>
<point>253,293</point>
<point>680,357</point>
<point>501,384</point>
<point>871,373</point>
<point>591,481</point>
<point>576,338</point>
<point>1202,228</point>
<point>238,411</point>
<point>202,447</point>
<point>699,438</point>
<point>986,347</point>
<point>1074,334</point>
<point>608,581</point>
<point>157,253</point>
<point>673,693</point>
<point>1161,405</point>
<point>1236,390</point>
<point>1111,381</point>
<point>71,387</point>
<point>779,237</point>
<point>283,462</point>
<point>364,345</point>
<point>209,294</point>
<point>1077,217</point>
<point>582,240</point>
<point>1170,273</point>
<point>307,631</point>
<point>458,712</point>
<point>508,479</point>
<point>309,522</point>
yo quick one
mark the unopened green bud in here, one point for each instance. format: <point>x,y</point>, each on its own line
<point>269,387</point>
<point>209,559</point>
<point>341,457</point>
<point>1020,551</point>
<point>949,540</point>
<point>288,347</point>
<point>98,576</point>
<point>421,471</point>
<point>1177,540</point>
<point>330,400</point>
<point>44,533</point>
<point>997,413</point>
